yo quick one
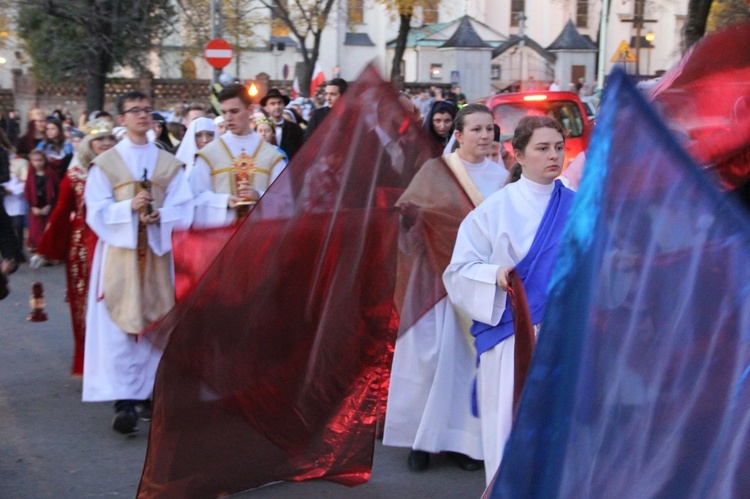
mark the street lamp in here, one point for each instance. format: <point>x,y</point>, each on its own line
<point>650,37</point>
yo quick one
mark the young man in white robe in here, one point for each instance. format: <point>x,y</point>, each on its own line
<point>222,195</point>
<point>518,227</point>
<point>429,409</point>
<point>136,194</point>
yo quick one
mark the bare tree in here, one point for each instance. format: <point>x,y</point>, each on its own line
<point>305,19</point>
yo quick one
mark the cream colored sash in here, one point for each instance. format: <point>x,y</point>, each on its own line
<point>137,284</point>
<point>459,170</point>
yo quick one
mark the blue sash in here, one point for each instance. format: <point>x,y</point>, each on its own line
<point>535,269</point>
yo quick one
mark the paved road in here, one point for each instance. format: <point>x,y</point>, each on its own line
<point>54,446</point>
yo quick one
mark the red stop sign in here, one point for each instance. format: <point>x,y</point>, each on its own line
<point>218,53</point>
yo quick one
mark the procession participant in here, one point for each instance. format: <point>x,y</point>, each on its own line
<point>161,133</point>
<point>518,227</point>
<point>433,370</point>
<point>289,135</point>
<point>135,195</point>
<point>14,202</point>
<point>220,196</point>
<point>265,129</point>
<point>67,237</point>
<point>439,123</point>
<point>40,192</point>
<point>57,149</point>
<point>334,89</point>
<point>34,134</point>
<point>199,134</point>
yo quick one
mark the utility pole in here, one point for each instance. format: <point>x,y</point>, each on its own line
<point>216,31</point>
<point>521,17</point>
<point>638,21</point>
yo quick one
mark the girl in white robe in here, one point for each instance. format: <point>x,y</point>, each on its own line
<point>434,362</point>
<point>493,239</point>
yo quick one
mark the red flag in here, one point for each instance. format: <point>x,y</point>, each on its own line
<point>318,79</point>
<point>279,347</point>
<point>706,97</point>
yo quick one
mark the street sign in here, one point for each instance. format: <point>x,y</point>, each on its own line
<point>624,53</point>
<point>218,53</point>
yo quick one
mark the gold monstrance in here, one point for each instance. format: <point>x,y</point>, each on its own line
<point>244,171</point>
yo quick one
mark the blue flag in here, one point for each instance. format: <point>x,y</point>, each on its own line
<point>638,387</point>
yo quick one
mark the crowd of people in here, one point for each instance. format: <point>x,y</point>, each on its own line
<point>104,197</point>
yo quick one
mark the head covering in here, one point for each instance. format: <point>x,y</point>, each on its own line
<point>37,114</point>
<point>290,115</point>
<point>218,120</point>
<point>188,148</point>
<point>163,137</point>
<point>119,132</point>
<point>274,92</point>
<point>263,119</point>
<point>92,130</point>
<point>441,106</point>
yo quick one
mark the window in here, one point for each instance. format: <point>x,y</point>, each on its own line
<point>582,13</point>
<point>517,8</point>
<point>430,11</point>
<point>278,27</point>
<point>436,71</point>
<point>495,71</point>
<point>356,9</point>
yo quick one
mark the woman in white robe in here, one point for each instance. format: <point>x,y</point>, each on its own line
<point>200,132</point>
<point>493,239</point>
<point>429,407</point>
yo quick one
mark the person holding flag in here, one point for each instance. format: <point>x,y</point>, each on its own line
<point>518,227</point>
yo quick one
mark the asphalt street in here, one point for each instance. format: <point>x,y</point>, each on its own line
<point>54,446</point>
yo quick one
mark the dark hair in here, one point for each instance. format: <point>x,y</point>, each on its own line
<point>57,143</point>
<point>338,82</point>
<point>527,125</point>
<point>514,174</point>
<point>163,138</point>
<point>235,90</point>
<point>466,111</point>
<point>102,114</point>
<point>129,96</point>
<point>440,107</point>
<point>196,106</point>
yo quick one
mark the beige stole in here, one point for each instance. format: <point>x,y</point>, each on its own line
<point>137,284</point>
<point>464,180</point>
<point>221,162</point>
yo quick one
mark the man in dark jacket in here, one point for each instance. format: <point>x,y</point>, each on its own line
<point>334,89</point>
<point>289,136</point>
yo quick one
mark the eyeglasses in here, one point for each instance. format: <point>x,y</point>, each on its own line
<point>138,110</point>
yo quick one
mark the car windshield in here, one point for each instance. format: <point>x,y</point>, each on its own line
<point>566,113</point>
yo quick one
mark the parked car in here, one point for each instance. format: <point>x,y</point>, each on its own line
<point>565,107</point>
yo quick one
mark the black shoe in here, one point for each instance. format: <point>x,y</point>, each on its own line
<point>125,421</point>
<point>144,410</point>
<point>418,460</point>
<point>467,463</point>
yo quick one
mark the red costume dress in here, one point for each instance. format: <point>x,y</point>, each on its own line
<point>68,237</point>
<point>40,191</point>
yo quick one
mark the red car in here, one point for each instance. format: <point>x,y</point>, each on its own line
<point>565,107</point>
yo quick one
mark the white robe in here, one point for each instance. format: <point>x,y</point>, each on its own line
<point>429,403</point>
<point>211,208</point>
<point>116,367</point>
<point>497,234</point>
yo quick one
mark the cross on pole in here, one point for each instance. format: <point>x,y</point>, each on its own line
<point>638,21</point>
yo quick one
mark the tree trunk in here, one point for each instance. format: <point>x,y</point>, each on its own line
<point>695,27</point>
<point>95,79</point>
<point>304,76</point>
<point>398,55</point>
